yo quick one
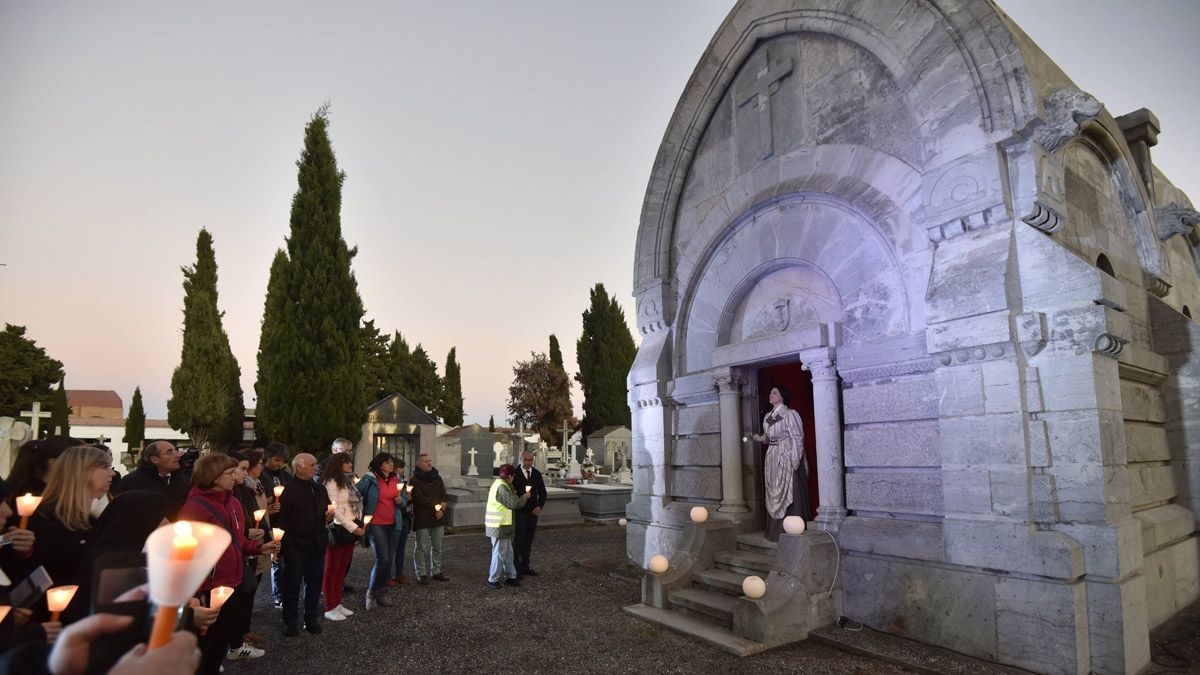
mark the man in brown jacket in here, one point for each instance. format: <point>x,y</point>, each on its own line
<point>429,508</point>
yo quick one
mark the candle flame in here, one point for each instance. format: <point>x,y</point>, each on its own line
<point>183,529</point>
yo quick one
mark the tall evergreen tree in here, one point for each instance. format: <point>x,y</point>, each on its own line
<point>491,423</point>
<point>310,370</point>
<point>206,391</point>
<point>425,385</point>
<point>28,373</point>
<point>556,353</point>
<point>605,353</point>
<point>451,409</point>
<point>375,347</point>
<point>135,422</point>
<point>269,391</point>
<point>564,392</point>
<point>60,410</point>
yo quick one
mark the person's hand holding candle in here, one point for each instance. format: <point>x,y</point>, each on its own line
<point>277,537</point>
<point>438,511</point>
<point>21,540</point>
<point>216,600</point>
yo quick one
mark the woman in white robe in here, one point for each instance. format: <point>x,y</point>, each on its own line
<point>785,468</point>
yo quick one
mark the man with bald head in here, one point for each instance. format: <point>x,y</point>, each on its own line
<point>303,517</point>
<point>158,472</point>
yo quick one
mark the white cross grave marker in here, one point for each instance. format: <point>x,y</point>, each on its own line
<point>36,416</point>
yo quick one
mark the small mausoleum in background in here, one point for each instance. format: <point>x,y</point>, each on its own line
<point>395,425</point>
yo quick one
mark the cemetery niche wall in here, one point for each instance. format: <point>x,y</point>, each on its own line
<point>984,287</point>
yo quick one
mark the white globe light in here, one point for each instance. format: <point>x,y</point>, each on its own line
<point>754,587</point>
<point>794,525</point>
<point>699,514</point>
<point>659,564</point>
<point>622,522</point>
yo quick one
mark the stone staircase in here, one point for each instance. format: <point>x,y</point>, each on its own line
<point>701,594</point>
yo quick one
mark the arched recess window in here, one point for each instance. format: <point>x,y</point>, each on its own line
<point>1105,266</point>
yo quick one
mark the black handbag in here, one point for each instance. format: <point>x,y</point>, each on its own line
<point>340,536</point>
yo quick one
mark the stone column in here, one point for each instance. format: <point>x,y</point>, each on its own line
<point>828,425</point>
<point>729,387</point>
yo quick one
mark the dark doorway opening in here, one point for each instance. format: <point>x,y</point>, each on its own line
<point>799,382</point>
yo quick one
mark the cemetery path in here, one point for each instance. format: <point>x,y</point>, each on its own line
<point>568,619</point>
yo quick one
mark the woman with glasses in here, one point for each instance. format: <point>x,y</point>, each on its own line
<point>212,500</point>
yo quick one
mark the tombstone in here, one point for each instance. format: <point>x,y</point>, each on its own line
<point>975,283</point>
<point>478,439</point>
<point>36,415</point>
<point>13,434</point>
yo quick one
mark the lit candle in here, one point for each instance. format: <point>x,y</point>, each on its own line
<point>437,507</point>
<point>258,516</point>
<point>218,596</point>
<point>410,489</point>
<point>4,610</point>
<point>277,535</point>
<point>329,508</point>
<point>183,546</point>
<point>278,491</point>
<point>367,520</point>
<point>58,599</point>
<point>26,505</point>
<point>528,488</point>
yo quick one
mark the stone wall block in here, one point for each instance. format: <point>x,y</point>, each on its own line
<point>933,605</point>
<point>900,444</point>
<point>1015,547</point>
<point>1146,442</point>
<point>1186,561</point>
<point>969,332</point>
<point>1010,493</point>
<point>968,277</point>
<point>1109,551</point>
<point>698,451</point>
<point>961,388</point>
<point>1164,525</point>
<point>1118,633</point>
<point>1067,380</point>
<point>1090,493</point>
<point>984,440</point>
<point>1039,444</point>
<point>697,419</point>
<point>695,482</point>
<point>1042,626</point>
<point>915,539</point>
<point>1001,386</point>
<point>908,399</point>
<point>966,490</point>
<point>915,492</point>
<point>1142,402</point>
<point>1150,484</point>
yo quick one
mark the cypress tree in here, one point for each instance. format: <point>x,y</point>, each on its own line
<point>605,353</point>
<point>375,346</point>
<point>563,396</point>
<point>28,374</point>
<point>556,353</point>
<point>492,423</point>
<point>60,410</point>
<point>206,391</point>
<point>269,395</point>
<point>310,365</point>
<point>425,385</point>
<point>135,422</point>
<point>451,411</point>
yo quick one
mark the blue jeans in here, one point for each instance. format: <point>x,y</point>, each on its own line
<point>502,566</point>
<point>401,547</point>
<point>383,539</point>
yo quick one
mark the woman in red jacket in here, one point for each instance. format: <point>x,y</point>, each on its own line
<point>212,501</point>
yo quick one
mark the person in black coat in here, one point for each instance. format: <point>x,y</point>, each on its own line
<point>303,518</point>
<point>527,517</point>
<point>158,473</point>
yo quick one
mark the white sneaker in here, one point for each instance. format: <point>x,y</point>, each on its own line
<point>344,611</point>
<point>334,615</point>
<point>244,652</point>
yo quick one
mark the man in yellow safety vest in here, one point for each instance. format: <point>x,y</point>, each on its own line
<point>498,524</point>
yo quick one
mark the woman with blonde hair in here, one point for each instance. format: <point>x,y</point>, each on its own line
<point>63,523</point>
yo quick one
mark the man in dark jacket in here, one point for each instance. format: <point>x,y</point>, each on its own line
<point>303,517</point>
<point>159,472</point>
<point>275,474</point>
<point>429,507</point>
<point>528,479</point>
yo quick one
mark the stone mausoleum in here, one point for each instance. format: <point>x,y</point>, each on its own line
<point>980,291</point>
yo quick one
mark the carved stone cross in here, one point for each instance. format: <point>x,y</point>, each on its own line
<point>101,439</point>
<point>35,416</point>
<point>758,94</point>
<point>590,455</point>
<point>472,470</point>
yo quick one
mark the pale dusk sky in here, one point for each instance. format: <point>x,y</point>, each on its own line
<point>496,155</point>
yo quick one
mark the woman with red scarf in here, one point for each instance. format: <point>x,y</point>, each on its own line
<point>212,500</point>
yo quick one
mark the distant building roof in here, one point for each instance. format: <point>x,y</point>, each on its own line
<point>113,422</point>
<point>604,431</point>
<point>466,427</point>
<point>94,398</point>
<point>396,408</point>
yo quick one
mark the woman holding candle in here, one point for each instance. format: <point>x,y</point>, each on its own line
<point>211,500</point>
<point>63,522</point>
<point>384,501</point>
<point>255,500</point>
<point>347,510</point>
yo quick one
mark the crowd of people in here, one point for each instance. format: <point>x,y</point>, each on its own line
<point>91,527</point>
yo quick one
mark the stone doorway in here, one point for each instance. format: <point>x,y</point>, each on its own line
<point>799,382</point>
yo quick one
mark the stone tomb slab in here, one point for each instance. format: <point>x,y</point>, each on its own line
<point>602,503</point>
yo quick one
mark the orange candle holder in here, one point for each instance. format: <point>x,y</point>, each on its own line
<point>178,558</point>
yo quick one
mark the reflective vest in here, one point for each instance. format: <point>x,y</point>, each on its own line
<point>497,514</point>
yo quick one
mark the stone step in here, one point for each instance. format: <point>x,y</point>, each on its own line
<point>756,542</point>
<point>721,580</point>
<point>705,631</point>
<point>746,562</point>
<point>714,605</point>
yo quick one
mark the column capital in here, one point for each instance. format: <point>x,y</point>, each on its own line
<point>728,383</point>
<point>819,361</point>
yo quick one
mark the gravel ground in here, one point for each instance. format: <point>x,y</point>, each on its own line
<point>568,618</point>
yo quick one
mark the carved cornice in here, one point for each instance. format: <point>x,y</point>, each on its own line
<point>1173,219</point>
<point>1065,109</point>
<point>1109,345</point>
<point>1043,218</point>
<point>728,384</point>
<point>992,352</point>
<point>888,370</point>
